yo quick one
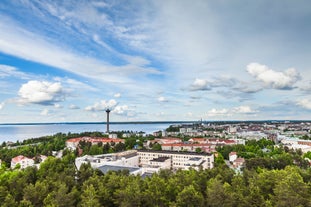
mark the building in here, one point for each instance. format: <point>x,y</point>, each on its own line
<point>297,144</point>
<point>198,140</point>
<point>166,140</point>
<point>22,161</point>
<point>160,162</point>
<point>122,159</point>
<point>74,142</point>
<point>113,136</point>
<point>177,160</point>
<point>145,162</point>
<point>232,156</point>
<point>238,163</point>
<point>188,147</point>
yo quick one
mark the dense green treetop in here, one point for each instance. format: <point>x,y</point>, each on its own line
<point>273,176</point>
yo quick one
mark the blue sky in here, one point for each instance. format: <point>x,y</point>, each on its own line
<point>63,61</point>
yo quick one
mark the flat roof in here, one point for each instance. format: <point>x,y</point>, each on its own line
<point>195,158</point>
<point>159,159</point>
<point>106,168</point>
<point>175,152</point>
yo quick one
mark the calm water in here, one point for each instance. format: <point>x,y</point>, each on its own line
<point>21,132</point>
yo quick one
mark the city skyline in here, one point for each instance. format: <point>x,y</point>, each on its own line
<point>154,60</point>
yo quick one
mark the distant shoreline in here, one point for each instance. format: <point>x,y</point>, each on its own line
<point>162,122</point>
<point>72,123</point>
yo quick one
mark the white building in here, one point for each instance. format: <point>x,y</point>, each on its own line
<point>122,159</point>
<point>188,147</point>
<point>73,143</point>
<point>232,156</point>
<point>178,160</point>
<point>232,129</point>
<point>113,136</point>
<point>147,162</point>
<point>22,161</point>
<point>249,135</point>
<point>293,143</point>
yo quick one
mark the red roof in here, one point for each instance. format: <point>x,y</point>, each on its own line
<point>185,145</point>
<point>74,140</point>
<point>95,140</point>
<point>198,139</point>
<point>232,153</point>
<point>19,158</point>
<point>229,141</point>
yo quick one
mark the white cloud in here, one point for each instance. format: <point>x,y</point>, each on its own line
<point>45,112</point>
<point>7,71</point>
<point>247,110</point>
<point>75,84</point>
<point>72,106</point>
<point>200,85</point>
<point>102,105</point>
<point>2,105</point>
<point>160,114</point>
<point>162,99</point>
<point>189,114</point>
<point>58,106</point>
<point>217,112</point>
<point>16,41</point>
<point>121,110</point>
<point>41,92</point>
<point>305,103</point>
<point>248,88</point>
<point>117,95</point>
<point>273,79</point>
<point>243,110</point>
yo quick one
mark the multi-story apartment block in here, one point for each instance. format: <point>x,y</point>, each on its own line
<point>74,142</point>
<point>175,160</point>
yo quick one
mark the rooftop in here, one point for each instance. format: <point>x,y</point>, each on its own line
<point>175,152</point>
<point>159,159</point>
<point>107,168</point>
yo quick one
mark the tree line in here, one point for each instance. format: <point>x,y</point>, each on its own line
<point>273,176</point>
<point>58,183</point>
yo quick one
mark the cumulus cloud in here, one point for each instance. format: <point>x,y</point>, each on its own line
<point>102,105</point>
<point>305,103</point>
<point>72,106</point>
<point>203,84</point>
<point>124,110</point>
<point>217,112</point>
<point>243,110</point>
<point>44,112</point>
<point>58,106</point>
<point>231,111</point>
<point>162,99</point>
<point>248,88</point>
<point>41,92</point>
<point>200,85</point>
<point>121,110</point>
<point>273,79</point>
<point>2,105</point>
<point>117,95</point>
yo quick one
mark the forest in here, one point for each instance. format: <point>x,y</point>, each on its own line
<point>273,176</point>
<point>57,183</point>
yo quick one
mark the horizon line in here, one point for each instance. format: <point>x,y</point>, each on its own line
<point>154,122</point>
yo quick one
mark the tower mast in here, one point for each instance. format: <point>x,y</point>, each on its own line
<point>108,111</point>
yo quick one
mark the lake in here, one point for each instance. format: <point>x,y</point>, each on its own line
<point>14,132</point>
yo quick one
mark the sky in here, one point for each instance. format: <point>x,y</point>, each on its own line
<point>154,60</point>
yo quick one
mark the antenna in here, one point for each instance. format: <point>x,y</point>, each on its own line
<point>108,111</point>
